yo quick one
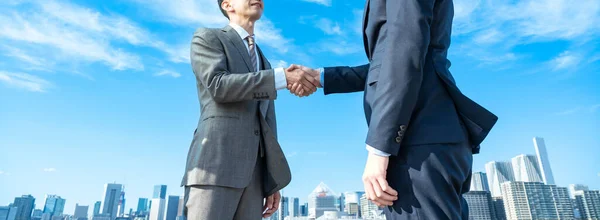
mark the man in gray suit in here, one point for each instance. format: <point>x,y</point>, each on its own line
<point>422,129</point>
<point>235,161</point>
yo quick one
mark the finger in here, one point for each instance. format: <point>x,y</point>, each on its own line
<point>376,188</point>
<point>293,67</point>
<point>297,88</point>
<point>386,187</point>
<point>312,80</point>
<point>276,203</point>
<point>307,85</point>
<point>270,202</point>
<point>386,199</point>
<point>369,190</point>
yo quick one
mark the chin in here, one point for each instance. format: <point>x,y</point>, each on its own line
<point>256,16</point>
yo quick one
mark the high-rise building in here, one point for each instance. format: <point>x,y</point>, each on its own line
<point>25,205</point>
<point>588,204</point>
<point>481,206</point>
<point>304,210</point>
<point>340,202</point>
<point>526,168</point>
<point>97,208</point>
<point>576,187</point>
<point>142,206</point>
<point>121,206</point>
<point>160,192</point>
<point>295,207</point>
<point>543,160</point>
<point>180,207</point>
<point>533,200</point>
<point>499,208</point>
<point>54,206</point>
<point>498,172</point>
<point>37,214</point>
<point>321,199</point>
<point>479,182</point>
<point>112,195</point>
<point>368,209</point>
<point>157,211</point>
<point>8,212</point>
<point>81,212</point>
<point>172,207</point>
<point>284,207</point>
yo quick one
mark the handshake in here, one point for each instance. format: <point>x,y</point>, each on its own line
<point>302,81</point>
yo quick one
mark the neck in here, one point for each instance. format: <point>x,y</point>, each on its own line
<point>245,23</point>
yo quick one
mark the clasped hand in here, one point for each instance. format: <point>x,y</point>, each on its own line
<point>302,81</point>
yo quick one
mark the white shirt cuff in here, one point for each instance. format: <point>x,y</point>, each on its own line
<point>280,80</point>
<point>377,152</point>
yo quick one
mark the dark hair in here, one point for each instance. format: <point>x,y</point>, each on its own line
<point>220,8</point>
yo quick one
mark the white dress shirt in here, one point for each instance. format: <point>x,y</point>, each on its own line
<point>280,80</point>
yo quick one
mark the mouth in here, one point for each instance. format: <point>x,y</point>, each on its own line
<point>257,4</point>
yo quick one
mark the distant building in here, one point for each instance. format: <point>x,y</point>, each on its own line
<point>284,210</point>
<point>304,210</point>
<point>180,208</point>
<point>499,208</point>
<point>24,206</point>
<point>498,172</point>
<point>576,187</point>
<point>481,206</point>
<point>588,204</point>
<point>37,214</point>
<point>479,182</point>
<point>172,207</point>
<point>543,160</point>
<point>320,200</point>
<point>81,212</point>
<point>295,207</point>
<point>110,204</point>
<point>53,206</point>
<point>157,211</point>
<point>532,200</point>
<point>160,192</point>
<point>369,210</point>
<point>8,212</point>
<point>97,208</point>
<point>526,168</point>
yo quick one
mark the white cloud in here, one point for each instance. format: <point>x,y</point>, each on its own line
<point>1,172</point>
<point>49,170</point>
<point>321,2</point>
<point>25,81</point>
<point>168,73</point>
<point>579,109</point>
<point>33,63</point>
<point>293,154</point>
<point>280,64</point>
<point>565,60</point>
<point>488,37</point>
<point>339,47</point>
<point>329,27</point>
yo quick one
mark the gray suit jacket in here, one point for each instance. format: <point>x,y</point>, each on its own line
<point>226,143</point>
<point>411,97</point>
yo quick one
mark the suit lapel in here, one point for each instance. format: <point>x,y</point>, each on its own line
<point>236,40</point>
<point>264,104</point>
<point>364,29</point>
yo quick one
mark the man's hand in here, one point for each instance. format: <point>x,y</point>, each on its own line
<point>376,186</point>
<point>299,89</point>
<point>271,205</point>
<point>304,79</point>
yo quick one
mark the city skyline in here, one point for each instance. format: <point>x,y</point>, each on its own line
<point>97,92</point>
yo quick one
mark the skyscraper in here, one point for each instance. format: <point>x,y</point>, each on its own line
<point>533,200</point>
<point>284,209</point>
<point>142,206</point>
<point>160,192</point>
<point>479,182</point>
<point>8,212</point>
<point>576,187</point>
<point>526,168</point>
<point>295,207</point>
<point>588,203</point>
<point>157,211</point>
<point>498,172</point>
<point>481,206</point>
<point>121,206</point>
<point>180,208</point>
<point>499,208</point>
<point>543,160</point>
<point>172,207</point>
<point>81,212</point>
<point>110,204</point>
<point>304,210</point>
<point>97,208</point>
<point>368,209</point>
<point>320,200</point>
<point>24,206</point>
<point>54,206</point>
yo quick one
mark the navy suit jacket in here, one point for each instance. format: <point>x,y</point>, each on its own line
<point>410,96</point>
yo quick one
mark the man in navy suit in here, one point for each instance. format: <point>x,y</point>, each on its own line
<point>423,131</point>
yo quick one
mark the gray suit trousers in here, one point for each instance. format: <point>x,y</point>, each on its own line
<point>207,202</point>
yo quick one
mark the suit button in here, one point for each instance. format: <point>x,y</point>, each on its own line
<point>398,140</point>
<point>402,127</point>
<point>256,132</point>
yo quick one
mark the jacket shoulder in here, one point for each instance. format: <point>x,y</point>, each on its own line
<point>208,34</point>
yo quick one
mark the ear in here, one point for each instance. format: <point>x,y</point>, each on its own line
<point>226,5</point>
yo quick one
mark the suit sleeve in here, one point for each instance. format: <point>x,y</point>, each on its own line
<point>344,79</point>
<point>401,72</point>
<point>209,64</point>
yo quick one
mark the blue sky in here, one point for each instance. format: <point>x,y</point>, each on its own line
<point>102,91</point>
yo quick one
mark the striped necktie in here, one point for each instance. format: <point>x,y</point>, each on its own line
<point>263,105</point>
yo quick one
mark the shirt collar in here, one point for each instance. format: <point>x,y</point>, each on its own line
<point>240,30</point>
